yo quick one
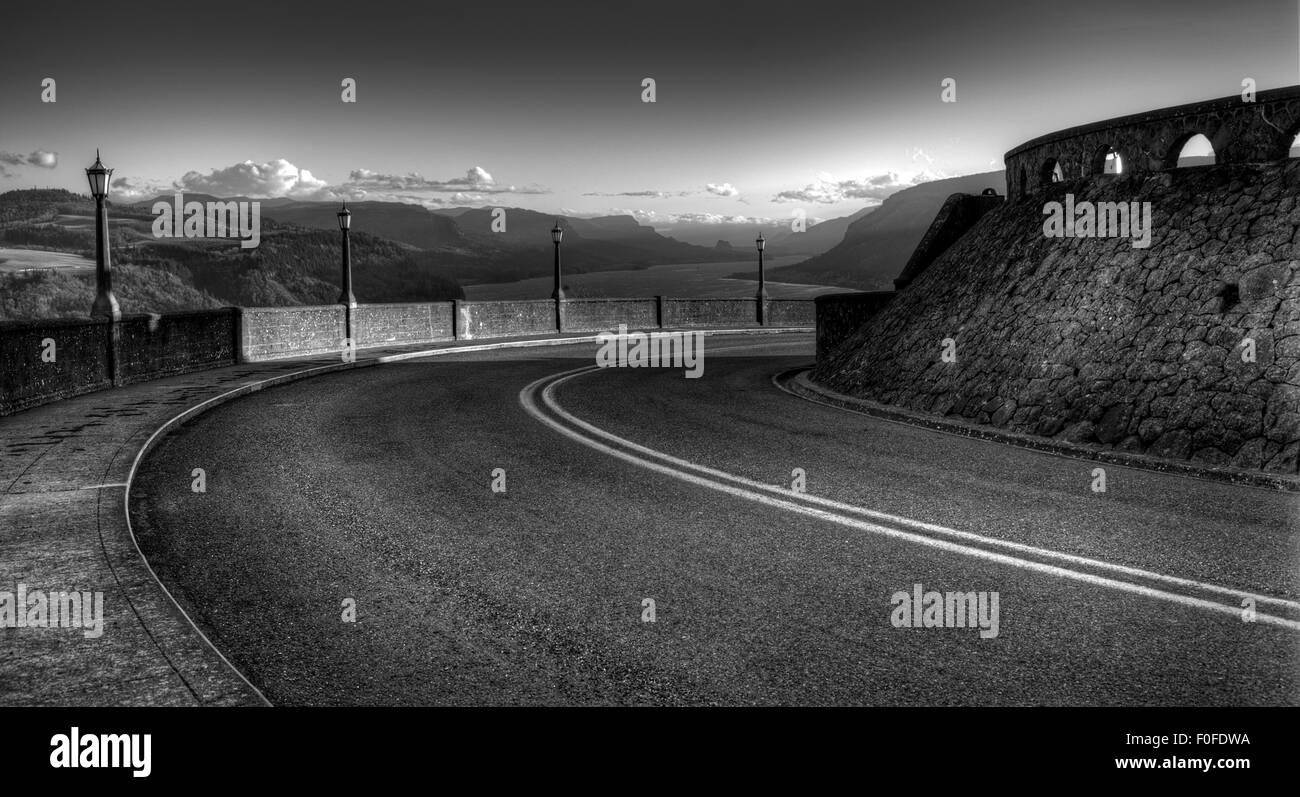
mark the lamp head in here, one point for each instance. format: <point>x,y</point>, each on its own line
<point>98,176</point>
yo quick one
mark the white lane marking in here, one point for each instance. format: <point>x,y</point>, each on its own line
<point>548,397</point>
<point>102,486</point>
<point>526,398</point>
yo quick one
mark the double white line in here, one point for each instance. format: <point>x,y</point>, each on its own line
<point>538,399</point>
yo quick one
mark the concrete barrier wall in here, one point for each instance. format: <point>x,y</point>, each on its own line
<point>790,313</point>
<point>505,319</point>
<point>597,315</point>
<point>54,360</point>
<point>706,313</point>
<point>397,324</point>
<point>93,355</point>
<point>272,333</point>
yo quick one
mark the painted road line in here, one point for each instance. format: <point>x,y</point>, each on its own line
<point>960,542</point>
<point>917,524</point>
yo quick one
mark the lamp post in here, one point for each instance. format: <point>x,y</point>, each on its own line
<point>557,234</point>
<point>105,305</point>
<point>345,297</point>
<point>762,285</point>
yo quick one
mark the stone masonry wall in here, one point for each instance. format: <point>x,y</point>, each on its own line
<point>151,347</point>
<point>85,356</point>
<point>81,363</point>
<point>1095,341</point>
<point>1239,132</point>
<point>839,315</point>
<point>959,213</point>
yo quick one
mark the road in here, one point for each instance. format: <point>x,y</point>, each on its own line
<point>623,485</point>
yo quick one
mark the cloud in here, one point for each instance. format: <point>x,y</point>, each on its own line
<point>657,217</point>
<point>132,189</point>
<point>42,159</point>
<point>271,179</point>
<point>476,180</point>
<point>719,189</point>
<point>643,194</point>
<point>918,154</point>
<point>828,190</point>
<point>280,178</point>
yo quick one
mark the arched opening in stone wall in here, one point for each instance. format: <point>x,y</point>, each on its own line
<point>1106,160</point>
<point>1295,147</point>
<point>1051,172</point>
<point>1193,150</point>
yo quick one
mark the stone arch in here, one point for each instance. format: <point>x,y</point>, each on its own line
<point>1050,172</point>
<point>1107,159</point>
<point>1175,151</point>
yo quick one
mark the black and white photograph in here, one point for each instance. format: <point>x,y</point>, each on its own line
<point>439,366</point>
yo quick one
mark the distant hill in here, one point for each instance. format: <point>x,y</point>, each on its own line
<point>875,247</point>
<point>60,294</point>
<point>40,204</point>
<point>597,244</point>
<point>396,221</point>
<point>815,239</point>
<point>294,265</point>
<point>462,242</point>
<point>781,240</point>
<point>400,252</point>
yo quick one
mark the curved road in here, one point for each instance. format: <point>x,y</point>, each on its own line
<point>623,485</point>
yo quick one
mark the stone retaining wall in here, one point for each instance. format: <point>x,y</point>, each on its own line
<point>1187,350</point>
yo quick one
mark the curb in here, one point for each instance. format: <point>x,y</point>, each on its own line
<point>797,383</point>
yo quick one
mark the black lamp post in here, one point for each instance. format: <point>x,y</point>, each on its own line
<point>105,305</point>
<point>762,285</point>
<point>557,234</point>
<point>345,297</point>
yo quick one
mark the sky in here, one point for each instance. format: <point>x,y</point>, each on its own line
<point>761,109</point>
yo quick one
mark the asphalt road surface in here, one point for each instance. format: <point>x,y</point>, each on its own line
<point>623,486</point>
